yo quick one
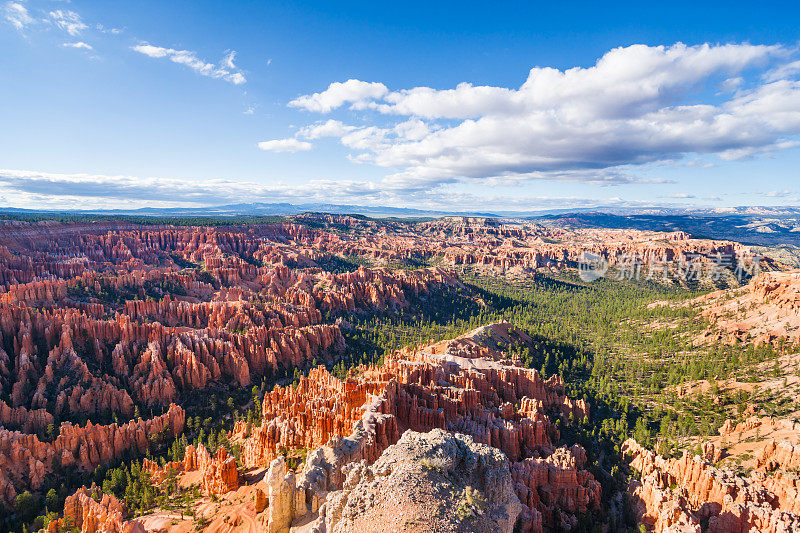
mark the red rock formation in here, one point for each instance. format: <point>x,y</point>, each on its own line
<point>29,421</point>
<point>218,472</point>
<point>357,419</point>
<point>260,501</point>
<point>82,511</point>
<point>307,416</point>
<point>488,244</point>
<point>766,311</point>
<point>782,455</point>
<point>26,461</point>
<point>766,503</point>
<point>782,288</point>
<point>711,452</point>
<point>556,483</point>
<point>98,318</point>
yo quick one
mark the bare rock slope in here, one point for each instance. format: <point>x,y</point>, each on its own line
<point>766,311</point>
<point>435,481</point>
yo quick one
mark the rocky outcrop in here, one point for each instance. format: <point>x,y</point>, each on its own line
<point>97,319</point>
<point>491,245</point>
<point>89,515</point>
<point>282,490</point>
<point>260,500</point>
<point>711,452</point>
<point>766,311</point>
<point>158,474</point>
<point>192,333</point>
<point>218,472</point>
<point>428,388</point>
<point>309,415</point>
<point>686,492</point>
<point>764,423</point>
<point>555,485</point>
<point>435,481</point>
<point>780,288</point>
<point>25,461</point>
<point>774,455</point>
<point>20,417</point>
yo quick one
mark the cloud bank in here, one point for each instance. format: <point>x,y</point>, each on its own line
<point>637,105</point>
<point>47,190</point>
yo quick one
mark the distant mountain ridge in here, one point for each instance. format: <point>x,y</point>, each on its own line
<point>286,208</point>
<point>754,225</point>
<point>262,209</point>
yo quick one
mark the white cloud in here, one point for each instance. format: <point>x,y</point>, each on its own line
<point>731,84</point>
<point>371,138</point>
<point>465,101</point>
<point>152,51</point>
<point>225,70</point>
<point>331,128</point>
<point>228,60</point>
<point>112,31</point>
<point>783,71</point>
<point>17,15</point>
<point>778,194</point>
<point>46,190</point>
<point>337,94</point>
<point>69,21</point>
<point>413,129</point>
<point>80,45</point>
<point>285,145</point>
<point>57,190</point>
<point>637,105</point>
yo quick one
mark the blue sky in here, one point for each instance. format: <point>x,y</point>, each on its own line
<point>130,104</point>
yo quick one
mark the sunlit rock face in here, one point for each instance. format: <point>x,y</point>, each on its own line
<point>766,311</point>
<point>104,319</point>
<point>461,386</point>
<point>681,494</point>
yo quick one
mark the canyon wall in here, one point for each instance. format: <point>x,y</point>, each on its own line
<point>691,493</point>
<point>100,320</point>
<point>766,311</point>
<point>356,420</point>
<point>25,461</point>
